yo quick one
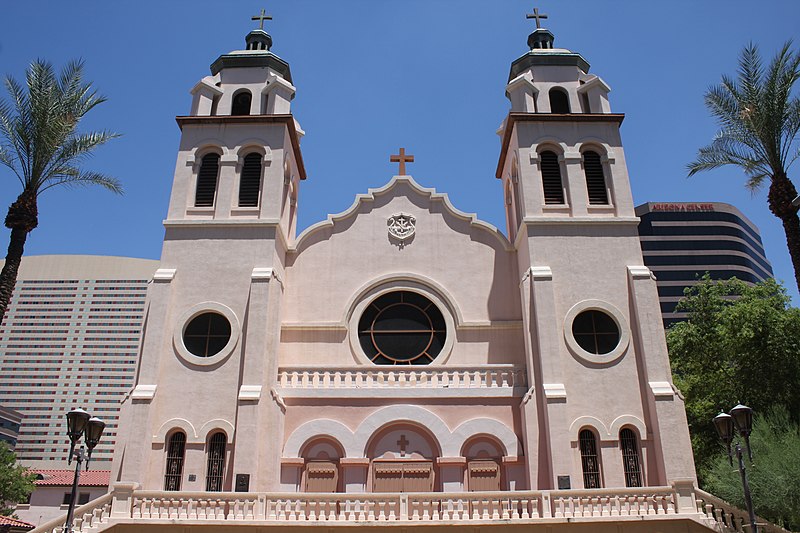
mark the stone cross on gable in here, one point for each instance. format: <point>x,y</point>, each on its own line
<point>537,16</point>
<point>261,18</point>
<point>402,158</point>
<point>403,443</point>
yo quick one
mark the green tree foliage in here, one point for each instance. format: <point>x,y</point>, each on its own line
<point>16,483</point>
<point>759,119</point>
<point>774,475</point>
<point>741,343</point>
<point>40,143</point>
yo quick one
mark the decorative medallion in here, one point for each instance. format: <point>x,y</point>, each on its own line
<point>401,226</point>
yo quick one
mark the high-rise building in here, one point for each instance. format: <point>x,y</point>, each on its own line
<point>70,339</point>
<point>10,421</point>
<point>681,241</point>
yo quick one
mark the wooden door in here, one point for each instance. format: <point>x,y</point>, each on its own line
<point>483,475</point>
<point>395,476</point>
<point>322,476</point>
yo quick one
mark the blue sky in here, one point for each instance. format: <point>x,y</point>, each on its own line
<point>373,75</point>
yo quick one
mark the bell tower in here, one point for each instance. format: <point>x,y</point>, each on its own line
<point>595,347</point>
<point>208,359</point>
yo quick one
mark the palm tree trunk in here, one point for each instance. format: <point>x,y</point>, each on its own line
<point>22,218</point>
<point>781,193</point>
<point>8,276</point>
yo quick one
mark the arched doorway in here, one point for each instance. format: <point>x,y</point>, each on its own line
<point>403,459</point>
<point>321,469</point>
<point>484,464</point>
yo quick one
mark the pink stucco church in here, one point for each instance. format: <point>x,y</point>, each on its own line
<point>402,363</point>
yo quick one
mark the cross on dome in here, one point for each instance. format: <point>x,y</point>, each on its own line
<point>537,16</point>
<point>261,18</point>
<point>402,158</point>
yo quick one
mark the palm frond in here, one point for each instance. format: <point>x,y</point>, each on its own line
<point>38,127</point>
<point>76,178</point>
<point>758,118</point>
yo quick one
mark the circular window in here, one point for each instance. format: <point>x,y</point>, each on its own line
<point>595,332</point>
<point>207,334</point>
<point>402,328</point>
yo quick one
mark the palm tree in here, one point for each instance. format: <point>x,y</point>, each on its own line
<point>759,121</point>
<point>41,145</point>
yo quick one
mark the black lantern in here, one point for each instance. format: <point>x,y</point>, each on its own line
<point>80,424</point>
<point>76,423</point>
<point>739,420</point>
<point>94,430</point>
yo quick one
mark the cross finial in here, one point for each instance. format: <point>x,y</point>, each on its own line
<point>261,18</point>
<point>537,16</point>
<point>402,158</point>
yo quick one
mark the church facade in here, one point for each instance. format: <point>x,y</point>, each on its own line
<point>402,362</point>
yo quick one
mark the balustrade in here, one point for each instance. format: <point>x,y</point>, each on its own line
<point>359,377</point>
<point>469,507</point>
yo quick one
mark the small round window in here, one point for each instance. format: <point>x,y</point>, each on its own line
<point>402,328</point>
<point>207,334</point>
<point>596,332</point>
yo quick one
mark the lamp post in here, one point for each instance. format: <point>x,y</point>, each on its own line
<point>80,423</point>
<point>740,419</point>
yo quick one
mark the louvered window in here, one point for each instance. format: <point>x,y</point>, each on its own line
<point>630,458</point>
<point>551,178</point>
<point>207,181</point>
<point>589,460</point>
<point>250,181</point>
<point>559,101</point>
<point>595,180</point>
<point>241,103</point>
<point>175,454</point>
<point>216,462</point>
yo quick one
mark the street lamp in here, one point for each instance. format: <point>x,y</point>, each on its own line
<point>739,419</point>
<point>80,423</point>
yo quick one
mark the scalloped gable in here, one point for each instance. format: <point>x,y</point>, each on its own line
<point>306,238</point>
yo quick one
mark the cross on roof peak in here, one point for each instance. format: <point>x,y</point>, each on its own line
<point>261,18</point>
<point>537,16</point>
<point>402,158</point>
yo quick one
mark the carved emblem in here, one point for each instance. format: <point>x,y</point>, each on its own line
<point>402,226</point>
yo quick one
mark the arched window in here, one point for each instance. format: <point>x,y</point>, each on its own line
<point>207,181</point>
<point>250,180</point>
<point>241,103</point>
<point>595,180</point>
<point>559,101</point>
<point>590,462</point>
<point>216,462</point>
<point>630,458</point>
<point>176,449</point>
<point>551,178</point>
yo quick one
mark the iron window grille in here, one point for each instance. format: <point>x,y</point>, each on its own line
<point>176,450</point>
<point>630,458</point>
<point>216,462</point>
<point>589,460</point>
<point>207,334</point>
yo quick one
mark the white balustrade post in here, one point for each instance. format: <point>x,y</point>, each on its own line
<point>683,491</point>
<point>122,499</point>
